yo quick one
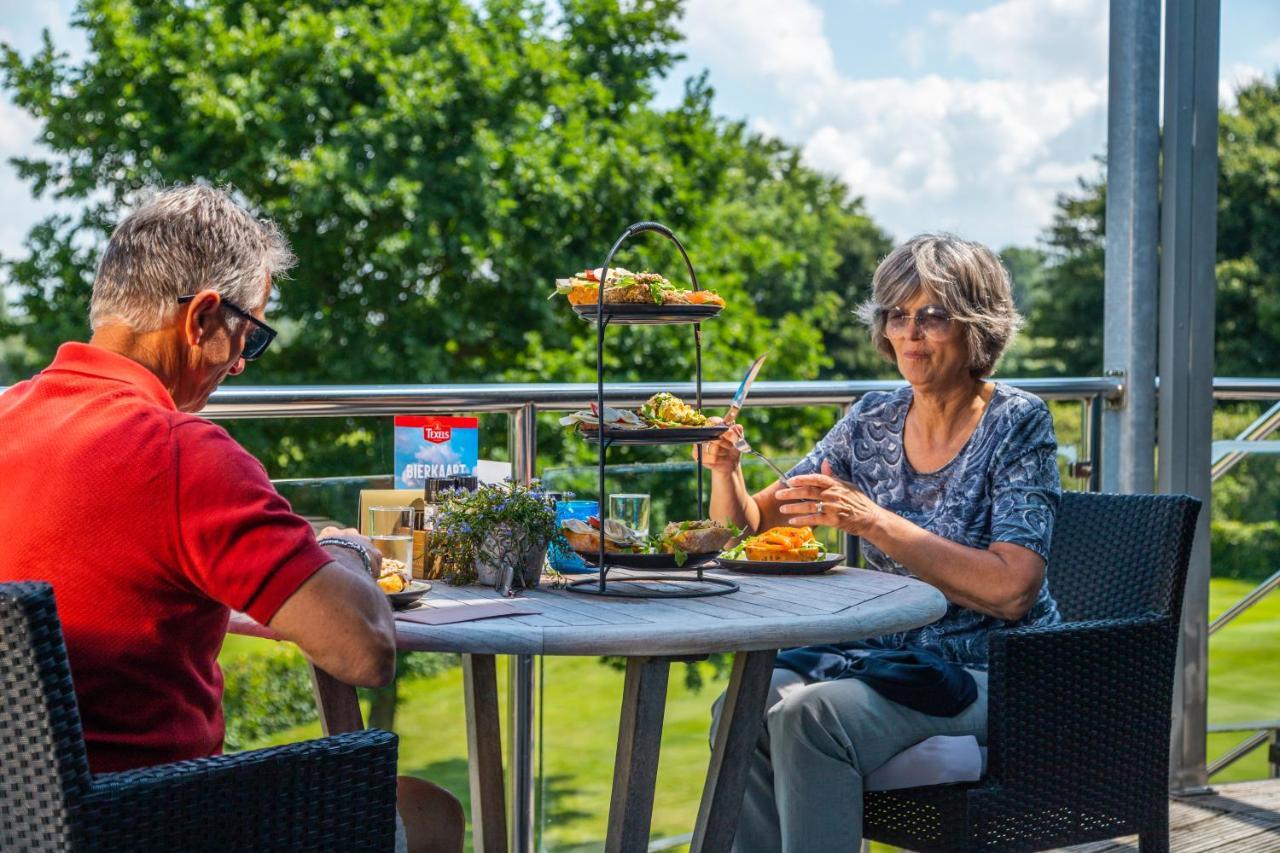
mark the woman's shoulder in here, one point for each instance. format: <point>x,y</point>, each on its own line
<point>1020,417</point>
<point>1018,405</point>
<point>881,405</point>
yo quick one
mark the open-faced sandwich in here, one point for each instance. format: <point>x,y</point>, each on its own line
<point>779,544</point>
<point>668,410</point>
<point>395,576</point>
<point>624,286</point>
<point>694,537</point>
<point>584,536</point>
<point>661,411</point>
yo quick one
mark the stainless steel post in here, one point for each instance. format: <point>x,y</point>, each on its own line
<point>1188,241</point>
<point>521,670</point>
<point>520,699</point>
<point>1129,324</point>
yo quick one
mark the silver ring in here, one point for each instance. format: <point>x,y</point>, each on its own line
<point>820,508</point>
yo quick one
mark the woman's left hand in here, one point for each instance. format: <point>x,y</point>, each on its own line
<point>823,499</point>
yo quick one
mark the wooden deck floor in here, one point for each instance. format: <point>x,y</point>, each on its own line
<point>1241,818</point>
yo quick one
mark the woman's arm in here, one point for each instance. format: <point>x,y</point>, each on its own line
<point>731,502</point>
<point>1002,580</point>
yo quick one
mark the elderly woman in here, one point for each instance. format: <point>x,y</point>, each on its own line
<point>951,479</point>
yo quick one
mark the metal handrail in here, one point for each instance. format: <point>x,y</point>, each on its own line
<point>1225,459</point>
<point>1243,726</point>
<point>295,401</point>
<point>1239,751</point>
<point>1245,603</point>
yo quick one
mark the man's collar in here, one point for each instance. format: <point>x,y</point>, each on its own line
<point>90,360</point>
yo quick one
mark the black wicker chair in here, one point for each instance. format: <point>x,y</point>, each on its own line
<point>335,793</point>
<point>1079,713</point>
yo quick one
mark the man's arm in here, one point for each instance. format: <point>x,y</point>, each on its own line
<point>341,619</point>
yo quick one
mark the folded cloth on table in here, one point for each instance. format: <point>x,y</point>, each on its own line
<point>919,679</point>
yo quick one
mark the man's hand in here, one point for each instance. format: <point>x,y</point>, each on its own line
<point>375,557</point>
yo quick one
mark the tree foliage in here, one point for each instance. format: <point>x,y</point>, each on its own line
<point>1067,304</point>
<point>436,166</point>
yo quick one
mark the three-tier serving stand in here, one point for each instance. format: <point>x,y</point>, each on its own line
<point>686,581</point>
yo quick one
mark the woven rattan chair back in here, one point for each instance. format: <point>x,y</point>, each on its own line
<point>43,766</point>
<point>1118,555</point>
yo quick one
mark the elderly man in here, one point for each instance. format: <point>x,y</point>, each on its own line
<point>151,522</point>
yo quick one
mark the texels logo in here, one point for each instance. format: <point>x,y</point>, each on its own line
<point>437,435</point>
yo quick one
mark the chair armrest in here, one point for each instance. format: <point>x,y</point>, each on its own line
<point>1081,707</point>
<point>334,793</point>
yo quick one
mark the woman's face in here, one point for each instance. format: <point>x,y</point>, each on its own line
<point>929,346</point>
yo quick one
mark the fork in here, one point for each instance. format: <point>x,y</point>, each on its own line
<point>743,447</point>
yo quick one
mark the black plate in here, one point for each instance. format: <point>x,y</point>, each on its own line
<point>777,567</point>
<point>645,314</point>
<point>668,435</point>
<point>407,596</point>
<point>652,562</point>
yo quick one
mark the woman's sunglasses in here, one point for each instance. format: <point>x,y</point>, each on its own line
<point>933,320</point>
<point>260,335</point>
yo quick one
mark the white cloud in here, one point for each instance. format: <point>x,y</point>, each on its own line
<point>1232,78</point>
<point>1036,39</point>
<point>984,154</point>
<point>18,132</point>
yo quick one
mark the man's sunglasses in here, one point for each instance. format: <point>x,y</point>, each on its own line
<point>260,334</point>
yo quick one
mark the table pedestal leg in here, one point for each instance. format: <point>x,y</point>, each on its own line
<point>337,703</point>
<point>484,753</point>
<point>635,769</point>
<point>740,720</point>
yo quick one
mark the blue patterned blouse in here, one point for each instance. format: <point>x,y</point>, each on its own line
<point>1001,487</point>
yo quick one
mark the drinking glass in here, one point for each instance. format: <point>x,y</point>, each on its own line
<point>391,530</point>
<point>563,560</point>
<point>631,510</point>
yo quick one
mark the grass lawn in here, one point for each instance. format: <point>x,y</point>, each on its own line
<point>579,727</point>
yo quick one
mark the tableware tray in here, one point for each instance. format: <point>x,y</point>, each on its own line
<point>645,314</point>
<point>778,567</point>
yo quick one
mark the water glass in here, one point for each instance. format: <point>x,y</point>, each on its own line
<point>391,530</point>
<point>632,510</point>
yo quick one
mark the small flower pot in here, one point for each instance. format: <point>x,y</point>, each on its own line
<point>504,543</point>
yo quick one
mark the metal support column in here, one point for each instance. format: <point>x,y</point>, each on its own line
<point>1188,237</point>
<point>1132,229</point>
<point>521,673</point>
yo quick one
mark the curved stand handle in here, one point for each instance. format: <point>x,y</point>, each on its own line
<point>601,322</point>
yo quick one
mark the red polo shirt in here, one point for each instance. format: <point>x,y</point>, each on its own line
<point>150,523</point>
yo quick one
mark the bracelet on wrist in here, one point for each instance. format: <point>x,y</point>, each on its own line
<point>350,545</point>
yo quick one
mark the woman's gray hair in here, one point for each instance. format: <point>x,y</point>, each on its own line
<point>965,278</point>
<point>180,241</point>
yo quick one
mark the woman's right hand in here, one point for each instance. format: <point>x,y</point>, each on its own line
<point>720,455</point>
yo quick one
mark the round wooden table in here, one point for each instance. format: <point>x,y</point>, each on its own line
<point>766,614</point>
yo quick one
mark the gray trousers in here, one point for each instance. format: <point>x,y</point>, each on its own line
<point>804,787</point>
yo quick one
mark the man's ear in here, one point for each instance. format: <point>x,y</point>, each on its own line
<point>202,318</point>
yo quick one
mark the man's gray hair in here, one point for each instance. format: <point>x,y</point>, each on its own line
<point>180,241</point>
<point>966,278</point>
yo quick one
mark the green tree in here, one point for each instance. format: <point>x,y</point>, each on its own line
<point>1066,312</point>
<point>436,166</point>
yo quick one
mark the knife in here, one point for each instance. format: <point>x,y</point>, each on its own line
<point>740,396</point>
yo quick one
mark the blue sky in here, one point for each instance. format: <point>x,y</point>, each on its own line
<point>964,115</point>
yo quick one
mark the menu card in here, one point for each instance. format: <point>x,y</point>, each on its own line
<point>431,446</point>
<point>467,611</point>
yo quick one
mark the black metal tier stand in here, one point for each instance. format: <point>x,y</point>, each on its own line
<point>646,586</point>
